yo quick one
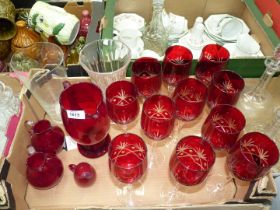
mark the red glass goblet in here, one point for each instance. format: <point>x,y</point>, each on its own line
<point>127,157</point>
<point>157,119</point>
<point>43,170</point>
<point>128,163</point>
<point>45,137</point>
<point>213,58</point>
<point>176,65</point>
<point>122,103</point>
<point>146,76</point>
<point>157,122</point>
<point>225,88</point>
<point>223,126</point>
<point>191,160</point>
<point>85,118</point>
<point>252,156</point>
<point>189,98</point>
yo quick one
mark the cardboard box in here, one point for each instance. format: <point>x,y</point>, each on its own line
<point>270,9</point>
<point>102,195</point>
<point>247,67</point>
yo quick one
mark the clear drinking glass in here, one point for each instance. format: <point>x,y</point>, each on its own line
<point>105,61</point>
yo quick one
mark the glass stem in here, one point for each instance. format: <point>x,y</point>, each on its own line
<point>263,82</point>
<point>128,193</point>
<point>273,129</point>
<point>258,94</point>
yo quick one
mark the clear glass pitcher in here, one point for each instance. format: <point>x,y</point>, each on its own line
<point>45,83</point>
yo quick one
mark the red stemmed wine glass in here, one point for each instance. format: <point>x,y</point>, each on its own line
<point>213,58</point>
<point>122,103</point>
<point>252,156</point>
<point>189,165</point>
<point>189,98</point>
<point>45,137</point>
<point>146,76</point>
<point>85,118</point>
<point>223,126</point>
<point>191,160</point>
<point>157,122</point>
<point>225,88</point>
<point>158,116</point>
<point>176,65</point>
<point>128,162</point>
<point>43,170</point>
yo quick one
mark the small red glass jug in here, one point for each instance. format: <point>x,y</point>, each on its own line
<point>45,137</point>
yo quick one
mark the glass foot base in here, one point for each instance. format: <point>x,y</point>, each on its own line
<point>97,150</point>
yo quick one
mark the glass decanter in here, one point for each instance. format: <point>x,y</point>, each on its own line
<point>155,36</point>
<point>255,102</point>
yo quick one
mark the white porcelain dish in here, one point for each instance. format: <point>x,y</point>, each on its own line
<point>225,28</point>
<point>128,21</point>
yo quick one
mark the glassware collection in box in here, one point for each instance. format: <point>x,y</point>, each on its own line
<point>167,29</point>
<point>88,110</point>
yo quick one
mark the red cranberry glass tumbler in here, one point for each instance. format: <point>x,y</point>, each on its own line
<point>213,58</point>
<point>85,118</point>
<point>252,156</point>
<point>223,126</point>
<point>121,101</point>
<point>189,98</point>
<point>158,116</point>
<point>225,88</point>
<point>45,137</point>
<point>191,160</point>
<point>176,64</point>
<point>43,170</point>
<point>127,157</point>
<point>146,76</point>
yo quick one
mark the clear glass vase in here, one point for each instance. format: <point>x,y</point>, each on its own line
<point>155,36</point>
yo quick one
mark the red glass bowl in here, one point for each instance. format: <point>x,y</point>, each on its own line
<point>213,58</point>
<point>85,118</point>
<point>121,101</point>
<point>191,160</point>
<point>223,126</point>
<point>127,157</point>
<point>146,76</point>
<point>252,156</point>
<point>176,64</point>
<point>158,116</point>
<point>43,170</point>
<point>189,98</point>
<point>225,88</point>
